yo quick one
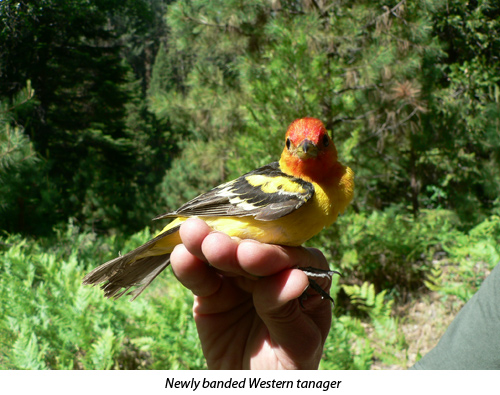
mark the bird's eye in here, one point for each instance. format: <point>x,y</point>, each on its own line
<point>288,143</point>
<point>326,140</point>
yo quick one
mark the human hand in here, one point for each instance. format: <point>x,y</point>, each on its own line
<point>246,305</point>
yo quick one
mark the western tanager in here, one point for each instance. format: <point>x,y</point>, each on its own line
<point>285,202</point>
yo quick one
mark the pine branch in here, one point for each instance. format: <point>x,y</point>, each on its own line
<point>386,13</point>
<point>397,125</point>
<point>355,88</point>
<point>415,110</point>
<point>223,27</point>
<point>350,119</point>
<point>29,96</point>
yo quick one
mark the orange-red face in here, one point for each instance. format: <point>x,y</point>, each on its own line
<point>306,128</point>
<point>307,138</point>
<point>309,151</point>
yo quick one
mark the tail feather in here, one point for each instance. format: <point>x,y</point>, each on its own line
<point>133,269</point>
<point>139,274</point>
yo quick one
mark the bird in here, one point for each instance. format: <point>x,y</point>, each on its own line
<point>285,202</point>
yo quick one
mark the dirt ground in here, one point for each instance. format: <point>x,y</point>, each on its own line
<point>423,323</point>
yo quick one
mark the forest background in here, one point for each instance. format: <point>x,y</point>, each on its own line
<point>112,112</point>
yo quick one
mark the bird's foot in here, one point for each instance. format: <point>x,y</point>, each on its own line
<point>313,272</point>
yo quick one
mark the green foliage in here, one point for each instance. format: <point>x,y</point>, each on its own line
<point>16,150</point>
<point>19,162</point>
<point>365,298</point>
<point>468,258</point>
<point>355,343</point>
<point>112,112</point>
<point>96,156</point>
<point>389,80</point>
<point>409,89</point>
<point>50,321</point>
<point>199,168</point>
<point>384,336</point>
<point>389,249</point>
<point>347,346</point>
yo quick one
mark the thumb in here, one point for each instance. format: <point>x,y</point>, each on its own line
<point>295,336</point>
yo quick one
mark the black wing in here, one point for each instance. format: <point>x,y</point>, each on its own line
<point>266,193</point>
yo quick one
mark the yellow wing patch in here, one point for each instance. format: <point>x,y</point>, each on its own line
<point>278,184</point>
<point>265,194</point>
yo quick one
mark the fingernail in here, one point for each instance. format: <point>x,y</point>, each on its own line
<point>236,239</point>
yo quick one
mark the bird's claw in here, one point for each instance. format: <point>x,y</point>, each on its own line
<point>318,273</point>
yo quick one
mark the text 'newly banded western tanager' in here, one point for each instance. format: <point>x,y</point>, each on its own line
<point>285,202</point>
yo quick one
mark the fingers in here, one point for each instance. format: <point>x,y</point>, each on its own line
<point>189,263</point>
<point>194,273</point>
<point>275,300</point>
<point>272,292</point>
<point>221,251</point>
<point>246,258</point>
<point>193,231</point>
<point>201,246</point>
<point>266,259</point>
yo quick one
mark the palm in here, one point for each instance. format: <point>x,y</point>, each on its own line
<point>236,337</point>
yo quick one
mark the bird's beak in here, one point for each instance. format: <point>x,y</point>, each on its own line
<point>307,149</point>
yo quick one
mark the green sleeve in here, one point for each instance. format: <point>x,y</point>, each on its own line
<point>472,341</point>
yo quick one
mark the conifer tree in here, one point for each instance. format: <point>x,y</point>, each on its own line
<point>93,153</point>
<point>377,72</point>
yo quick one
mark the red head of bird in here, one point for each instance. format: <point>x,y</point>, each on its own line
<point>309,151</point>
